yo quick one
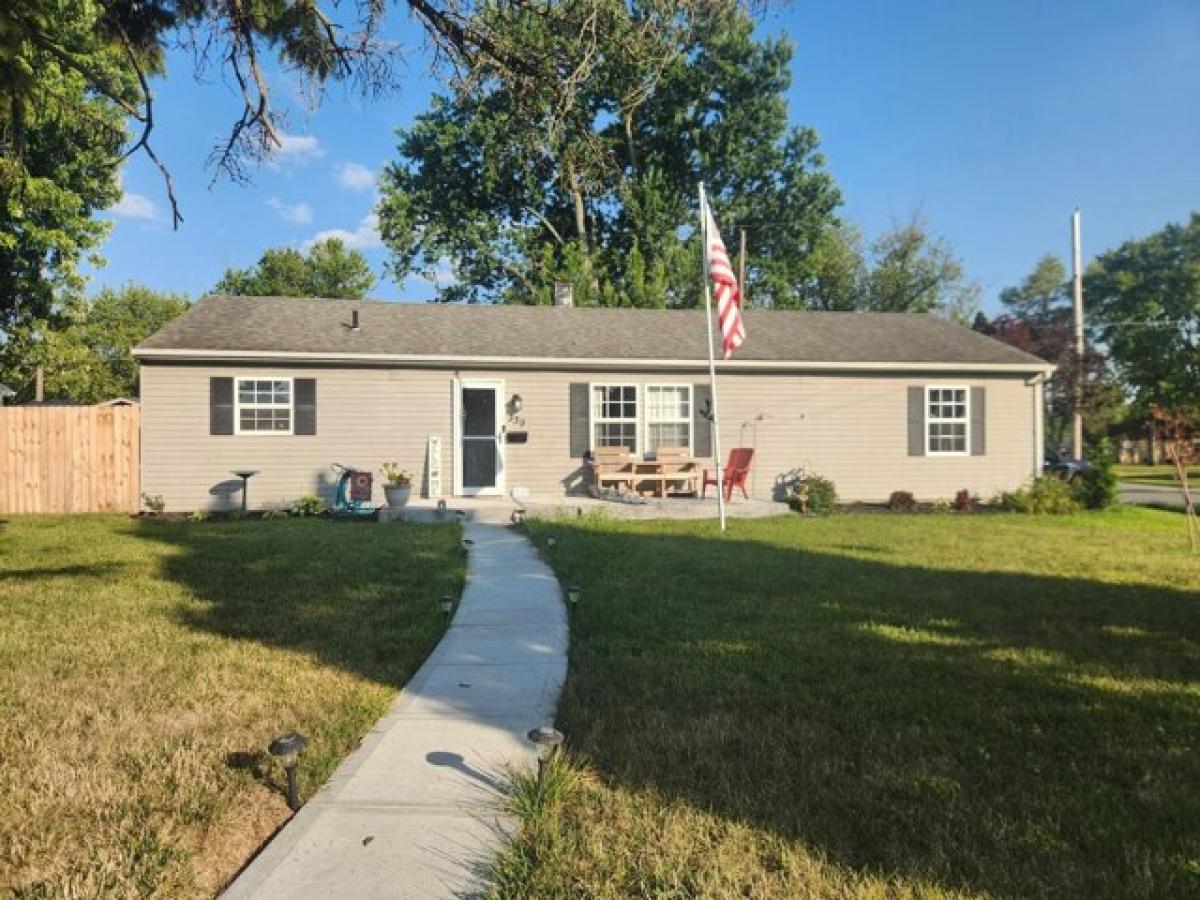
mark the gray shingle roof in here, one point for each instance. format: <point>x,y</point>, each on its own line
<point>315,326</point>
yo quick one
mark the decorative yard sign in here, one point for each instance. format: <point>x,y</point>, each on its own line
<point>434,466</point>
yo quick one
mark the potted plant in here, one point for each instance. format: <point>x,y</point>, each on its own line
<point>397,484</point>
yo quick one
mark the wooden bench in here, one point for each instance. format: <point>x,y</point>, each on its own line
<point>670,466</point>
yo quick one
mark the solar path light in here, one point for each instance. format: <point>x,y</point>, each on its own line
<point>446,604</point>
<point>287,748</point>
<point>546,739</point>
<point>573,594</point>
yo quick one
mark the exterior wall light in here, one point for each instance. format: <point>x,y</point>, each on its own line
<point>516,403</point>
<point>573,593</point>
<point>546,739</point>
<point>446,605</point>
<point>287,748</point>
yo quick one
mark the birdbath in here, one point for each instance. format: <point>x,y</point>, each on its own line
<point>245,475</point>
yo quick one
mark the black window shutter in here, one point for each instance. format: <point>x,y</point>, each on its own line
<point>580,439</point>
<point>305,406</point>
<point>701,426</point>
<point>220,406</point>
<point>916,421</point>
<point>978,421</point>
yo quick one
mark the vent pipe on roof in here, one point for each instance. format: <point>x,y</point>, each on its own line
<point>564,293</point>
<point>354,320</point>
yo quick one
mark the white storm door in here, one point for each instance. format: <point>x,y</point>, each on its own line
<point>478,437</point>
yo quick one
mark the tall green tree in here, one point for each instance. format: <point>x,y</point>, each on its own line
<point>85,354</point>
<point>602,198</point>
<point>1038,320</point>
<point>59,149</point>
<point>74,73</point>
<point>1143,299</point>
<point>328,269</point>
<point>912,271</point>
<point>1043,297</point>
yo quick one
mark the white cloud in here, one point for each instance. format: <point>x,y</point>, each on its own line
<point>296,213</point>
<point>297,149</point>
<point>135,206</point>
<point>364,237</point>
<point>355,177</point>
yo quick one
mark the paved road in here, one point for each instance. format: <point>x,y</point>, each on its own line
<point>1152,495</point>
<point>416,810</point>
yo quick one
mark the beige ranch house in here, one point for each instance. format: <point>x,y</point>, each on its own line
<point>513,399</point>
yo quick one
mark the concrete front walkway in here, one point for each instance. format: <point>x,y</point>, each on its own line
<point>415,811</point>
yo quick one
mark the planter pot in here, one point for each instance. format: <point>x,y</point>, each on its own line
<point>397,494</point>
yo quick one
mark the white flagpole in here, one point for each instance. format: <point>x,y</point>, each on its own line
<point>712,362</point>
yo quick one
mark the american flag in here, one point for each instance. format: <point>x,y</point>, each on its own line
<point>725,287</point>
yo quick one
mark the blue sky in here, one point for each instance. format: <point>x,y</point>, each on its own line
<point>994,120</point>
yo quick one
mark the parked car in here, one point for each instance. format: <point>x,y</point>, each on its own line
<point>1062,466</point>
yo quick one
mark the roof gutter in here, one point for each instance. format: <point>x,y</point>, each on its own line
<point>150,354</point>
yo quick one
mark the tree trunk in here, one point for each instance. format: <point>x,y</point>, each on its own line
<point>580,210</point>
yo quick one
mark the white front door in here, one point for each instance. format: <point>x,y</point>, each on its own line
<point>478,437</point>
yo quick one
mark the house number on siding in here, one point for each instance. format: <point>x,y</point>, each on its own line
<point>435,466</point>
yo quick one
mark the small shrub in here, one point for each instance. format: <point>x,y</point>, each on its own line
<point>394,475</point>
<point>965,501</point>
<point>902,501</point>
<point>198,515</point>
<point>308,505</point>
<point>1096,486</point>
<point>811,494</point>
<point>154,502</point>
<point>1045,495</point>
<point>269,514</point>
<point>940,506</point>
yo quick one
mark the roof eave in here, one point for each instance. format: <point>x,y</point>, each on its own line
<point>151,354</point>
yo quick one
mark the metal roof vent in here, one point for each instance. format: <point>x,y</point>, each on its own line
<point>354,320</point>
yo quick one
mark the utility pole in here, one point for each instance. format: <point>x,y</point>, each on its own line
<point>1077,290</point>
<point>742,265</point>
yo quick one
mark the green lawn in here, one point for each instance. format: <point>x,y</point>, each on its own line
<point>1155,474</point>
<point>144,666</point>
<point>879,706</point>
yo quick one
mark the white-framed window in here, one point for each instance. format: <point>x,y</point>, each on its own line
<point>615,416</point>
<point>947,421</point>
<point>668,416</point>
<point>263,405</point>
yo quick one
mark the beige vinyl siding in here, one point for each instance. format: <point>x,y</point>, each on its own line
<point>850,427</point>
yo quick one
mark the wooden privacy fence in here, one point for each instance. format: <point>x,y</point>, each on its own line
<point>70,459</point>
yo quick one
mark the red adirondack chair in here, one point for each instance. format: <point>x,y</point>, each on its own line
<point>733,475</point>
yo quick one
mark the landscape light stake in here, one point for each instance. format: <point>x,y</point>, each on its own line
<point>447,605</point>
<point>287,748</point>
<point>573,593</point>
<point>546,738</point>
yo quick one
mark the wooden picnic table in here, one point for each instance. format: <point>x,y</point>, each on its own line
<point>661,472</point>
<point>616,465</point>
